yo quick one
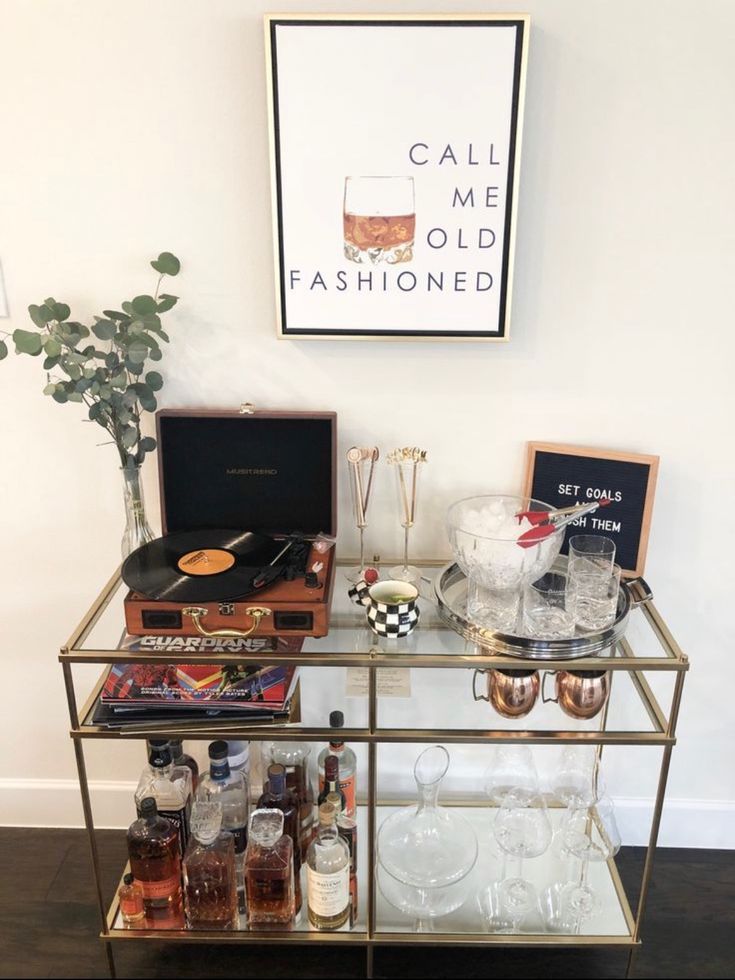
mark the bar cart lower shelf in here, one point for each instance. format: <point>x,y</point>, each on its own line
<point>433,646</point>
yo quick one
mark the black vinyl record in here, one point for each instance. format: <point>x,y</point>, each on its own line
<point>199,566</point>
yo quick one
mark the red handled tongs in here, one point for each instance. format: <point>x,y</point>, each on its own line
<point>547,522</point>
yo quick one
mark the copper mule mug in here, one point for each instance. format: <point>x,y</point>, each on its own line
<point>579,693</point>
<point>511,692</point>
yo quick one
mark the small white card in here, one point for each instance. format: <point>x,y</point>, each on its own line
<point>392,682</point>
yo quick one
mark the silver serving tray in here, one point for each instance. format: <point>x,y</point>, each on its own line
<point>450,589</point>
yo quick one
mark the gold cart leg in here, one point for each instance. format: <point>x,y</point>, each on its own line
<point>87,809</point>
<point>658,804</point>
<point>631,961</point>
<point>372,804</point>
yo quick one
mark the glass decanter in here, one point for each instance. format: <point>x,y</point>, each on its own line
<point>210,881</point>
<point>269,880</point>
<point>426,852</point>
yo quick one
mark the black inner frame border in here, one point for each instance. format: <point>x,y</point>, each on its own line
<point>520,26</point>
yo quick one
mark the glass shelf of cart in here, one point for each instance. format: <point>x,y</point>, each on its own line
<point>301,929</point>
<point>612,924</point>
<point>349,640</point>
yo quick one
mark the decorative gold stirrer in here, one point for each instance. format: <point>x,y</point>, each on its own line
<point>407,462</point>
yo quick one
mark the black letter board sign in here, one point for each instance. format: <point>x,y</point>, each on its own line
<point>567,475</point>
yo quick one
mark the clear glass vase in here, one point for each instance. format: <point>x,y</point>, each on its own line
<point>426,852</point>
<point>137,529</point>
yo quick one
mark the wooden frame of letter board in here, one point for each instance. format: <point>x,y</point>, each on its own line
<point>583,451</point>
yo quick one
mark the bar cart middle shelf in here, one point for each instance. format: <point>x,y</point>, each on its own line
<point>432,647</point>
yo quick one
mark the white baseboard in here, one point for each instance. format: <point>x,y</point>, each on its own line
<point>56,803</point>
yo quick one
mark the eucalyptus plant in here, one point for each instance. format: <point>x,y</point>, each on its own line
<point>105,366</point>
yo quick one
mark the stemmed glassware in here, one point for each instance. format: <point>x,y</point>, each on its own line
<point>361,462</point>
<point>523,830</point>
<point>407,464</point>
<point>590,834</point>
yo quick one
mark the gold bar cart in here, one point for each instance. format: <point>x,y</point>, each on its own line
<point>433,646</point>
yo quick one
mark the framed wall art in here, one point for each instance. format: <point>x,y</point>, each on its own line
<point>395,149</point>
<point>566,475</point>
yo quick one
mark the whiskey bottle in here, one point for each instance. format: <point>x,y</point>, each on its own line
<point>169,786</point>
<point>210,888</point>
<point>269,880</point>
<point>347,830</point>
<point>294,757</point>
<point>331,782</point>
<point>328,874</point>
<point>182,758</point>
<point>155,862</point>
<point>132,909</point>
<point>276,796</point>
<point>347,763</point>
<point>231,790</point>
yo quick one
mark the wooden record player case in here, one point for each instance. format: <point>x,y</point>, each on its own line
<point>272,472</point>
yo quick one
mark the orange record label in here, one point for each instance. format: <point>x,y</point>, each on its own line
<point>206,561</point>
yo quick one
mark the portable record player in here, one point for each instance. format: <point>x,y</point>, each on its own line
<point>244,495</point>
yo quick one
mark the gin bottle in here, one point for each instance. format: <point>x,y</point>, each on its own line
<point>328,874</point>
<point>155,863</point>
<point>269,879</point>
<point>231,790</point>
<point>169,785</point>
<point>210,888</point>
<point>347,763</point>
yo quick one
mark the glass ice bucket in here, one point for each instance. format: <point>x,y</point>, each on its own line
<point>483,533</point>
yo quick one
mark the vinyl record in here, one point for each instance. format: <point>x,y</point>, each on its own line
<point>199,566</point>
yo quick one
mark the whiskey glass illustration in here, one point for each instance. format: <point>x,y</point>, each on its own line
<point>379,219</point>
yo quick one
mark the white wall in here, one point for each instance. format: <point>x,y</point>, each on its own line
<point>128,128</point>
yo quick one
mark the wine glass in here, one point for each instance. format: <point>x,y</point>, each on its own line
<point>590,834</point>
<point>523,830</point>
<point>512,770</point>
<point>407,464</point>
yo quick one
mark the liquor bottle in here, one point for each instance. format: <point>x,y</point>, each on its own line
<point>210,886</point>
<point>347,830</point>
<point>278,797</point>
<point>269,879</point>
<point>132,909</point>
<point>328,874</point>
<point>331,782</point>
<point>182,758</point>
<point>155,862</point>
<point>232,791</point>
<point>169,786</point>
<point>294,757</point>
<point>347,763</point>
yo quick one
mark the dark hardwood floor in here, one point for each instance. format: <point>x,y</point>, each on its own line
<point>49,926</point>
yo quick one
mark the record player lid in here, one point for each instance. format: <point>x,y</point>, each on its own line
<point>272,472</point>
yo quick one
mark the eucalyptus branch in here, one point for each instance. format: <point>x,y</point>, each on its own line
<point>117,391</point>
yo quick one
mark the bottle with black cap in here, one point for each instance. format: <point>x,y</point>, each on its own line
<point>230,788</point>
<point>169,785</point>
<point>155,863</point>
<point>347,763</point>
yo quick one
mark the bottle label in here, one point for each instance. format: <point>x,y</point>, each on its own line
<point>348,788</point>
<point>329,895</point>
<point>164,888</point>
<point>240,836</point>
<point>180,820</point>
<point>219,769</point>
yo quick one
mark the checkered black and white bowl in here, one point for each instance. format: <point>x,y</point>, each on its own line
<point>390,618</point>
